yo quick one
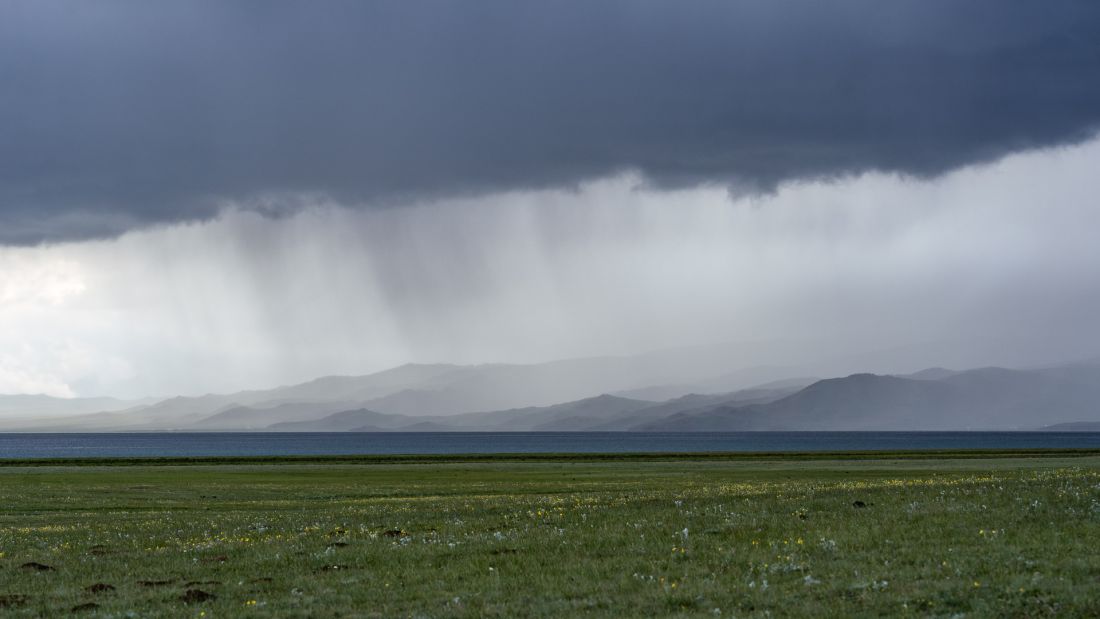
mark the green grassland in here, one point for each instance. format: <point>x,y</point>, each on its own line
<point>841,536</point>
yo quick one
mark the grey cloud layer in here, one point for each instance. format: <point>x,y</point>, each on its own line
<point>120,114</point>
<point>988,265</point>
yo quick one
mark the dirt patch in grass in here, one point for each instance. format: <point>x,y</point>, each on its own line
<point>99,587</point>
<point>34,566</point>
<point>192,596</point>
<point>331,568</point>
<point>12,600</point>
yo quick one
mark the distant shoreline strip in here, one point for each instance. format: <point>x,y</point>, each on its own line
<point>383,459</point>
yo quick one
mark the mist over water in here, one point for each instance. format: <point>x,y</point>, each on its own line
<point>986,265</point>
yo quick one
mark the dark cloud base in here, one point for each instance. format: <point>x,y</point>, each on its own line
<point>121,114</point>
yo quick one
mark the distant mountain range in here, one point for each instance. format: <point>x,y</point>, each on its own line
<point>602,394</point>
<point>40,406</point>
<point>981,399</point>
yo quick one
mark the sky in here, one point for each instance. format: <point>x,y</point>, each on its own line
<point>208,196</point>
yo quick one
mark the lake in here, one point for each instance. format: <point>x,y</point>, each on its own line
<point>344,443</point>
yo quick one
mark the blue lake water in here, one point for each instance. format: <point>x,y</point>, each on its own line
<point>326,443</point>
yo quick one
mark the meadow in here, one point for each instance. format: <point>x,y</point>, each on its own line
<point>946,535</point>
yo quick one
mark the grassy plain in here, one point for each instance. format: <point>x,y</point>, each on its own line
<point>833,536</point>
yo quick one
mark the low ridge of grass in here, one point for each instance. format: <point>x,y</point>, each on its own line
<point>876,535</point>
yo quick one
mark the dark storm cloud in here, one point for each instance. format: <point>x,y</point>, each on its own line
<point>120,114</point>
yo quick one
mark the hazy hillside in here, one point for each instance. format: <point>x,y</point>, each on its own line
<point>579,416</point>
<point>216,411</point>
<point>863,401</point>
<point>258,417</point>
<point>600,413</point>
<point>420,390</point>
<point>690,403</point>
<point>988,398</point>
<point>344,421</point>
<point>565,417</point>
<point>500,387</point>
<point>929,374</point>
<point>174,413</point>
<point>360,388</point>
<point>561,417</point>
<point>32,406</point>
<point>559,396</point>
<point>770,377</point>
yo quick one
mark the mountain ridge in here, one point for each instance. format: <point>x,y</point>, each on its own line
<point>445,397</point>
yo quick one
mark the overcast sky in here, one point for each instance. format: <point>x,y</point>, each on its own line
<point>201,196</point>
